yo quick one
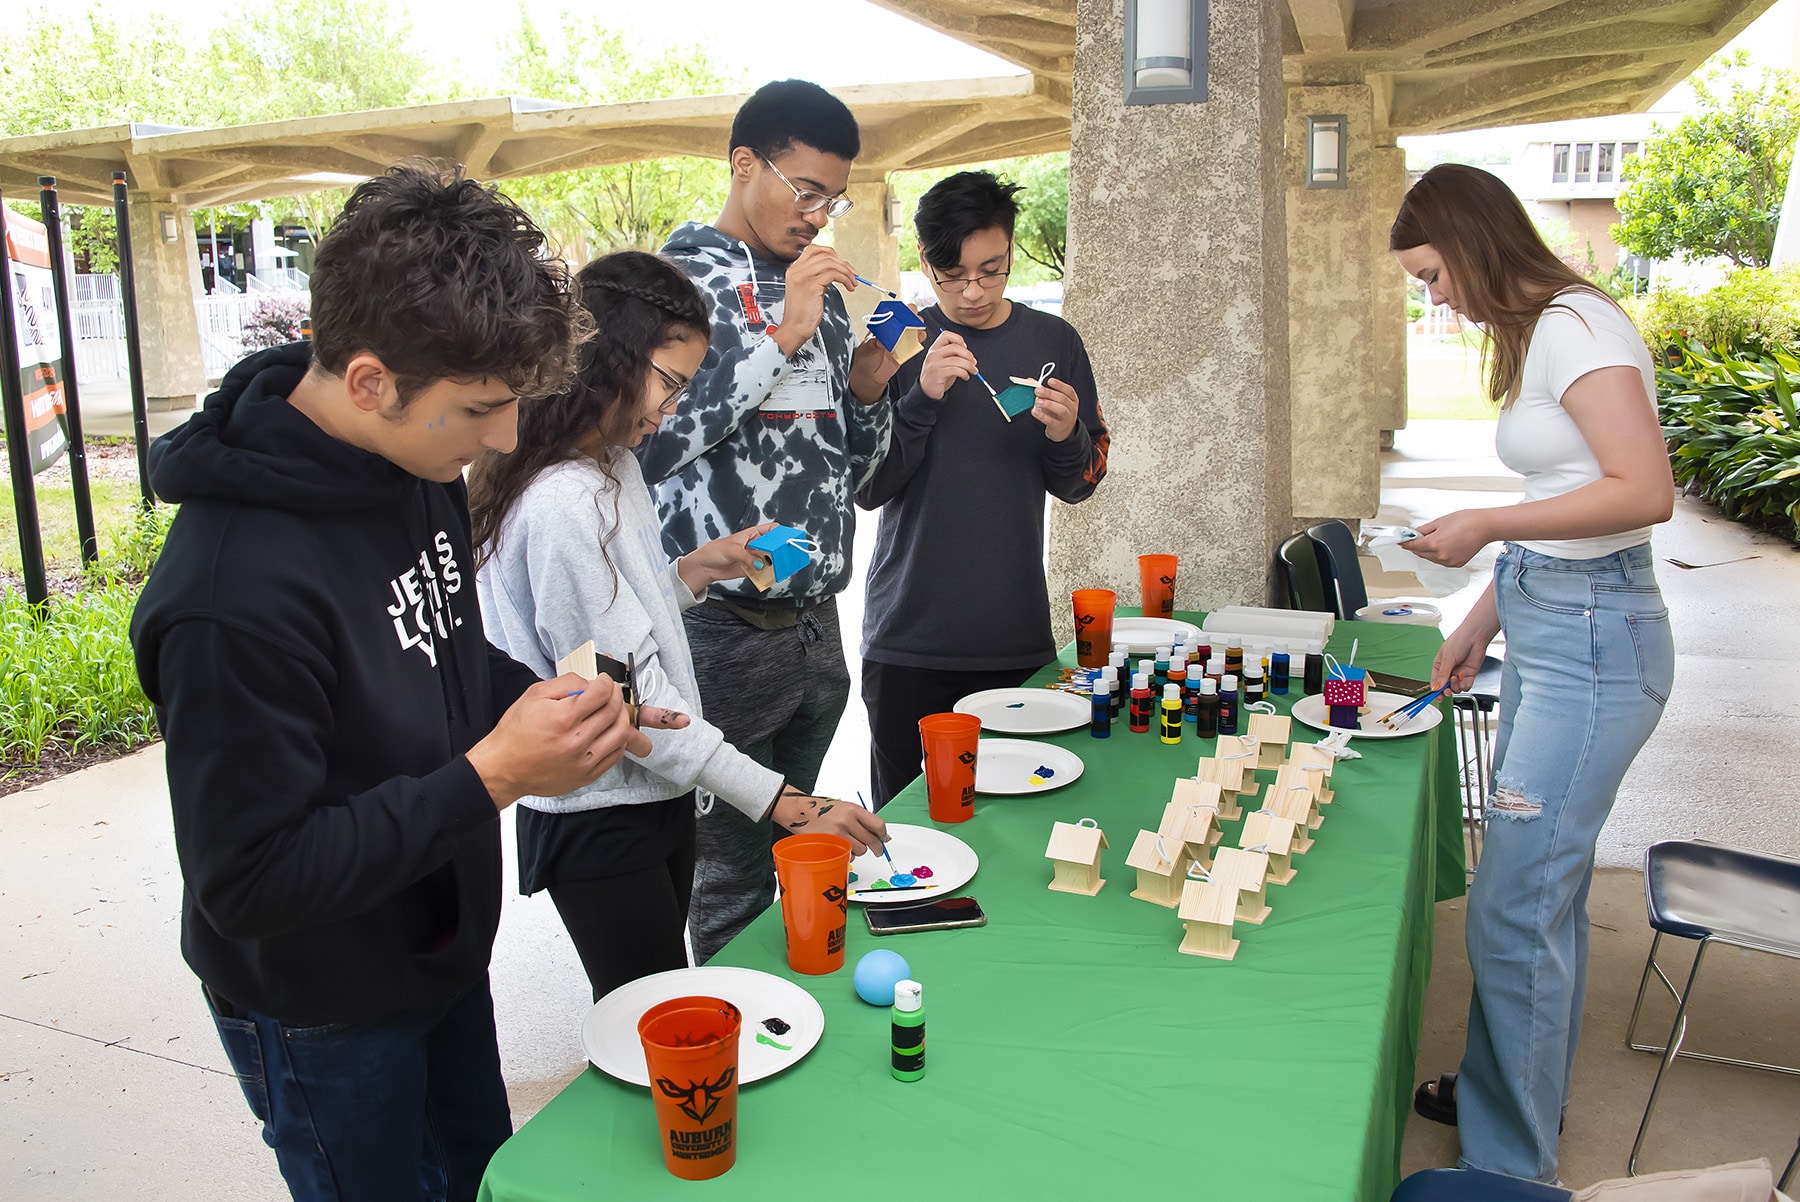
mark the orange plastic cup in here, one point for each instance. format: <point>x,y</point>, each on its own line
<point>691,1048</point>
<point>1093,625</point>
<point>1156,576</point>
<point>949,743</point>
<point>814,871</point>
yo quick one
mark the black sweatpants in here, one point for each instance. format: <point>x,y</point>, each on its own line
<point>897,697</point>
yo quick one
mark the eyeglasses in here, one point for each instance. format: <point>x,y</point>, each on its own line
<point>677,387</point>
<point>992,279</point>
<point>808,201</point>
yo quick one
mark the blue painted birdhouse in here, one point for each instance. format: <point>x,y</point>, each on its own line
<point>785,550</point>
<point>890,321</point>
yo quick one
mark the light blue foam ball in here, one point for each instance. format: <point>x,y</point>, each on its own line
<point>876,975</point>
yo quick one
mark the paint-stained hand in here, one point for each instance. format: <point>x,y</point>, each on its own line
<point>558,736</point>
<point>1453,539</point>
<point>1057,407</point>
<point>722,559</point>
<point>808,278</point>
<point>871,366</point>
<point>947,360</point>
<point>799,811</point>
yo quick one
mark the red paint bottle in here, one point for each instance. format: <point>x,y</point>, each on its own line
<point>1140,703</point>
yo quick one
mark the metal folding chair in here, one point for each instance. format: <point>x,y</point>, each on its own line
<point>1715,894</point>
<point>1338,563</point>
<point>1477,717</point>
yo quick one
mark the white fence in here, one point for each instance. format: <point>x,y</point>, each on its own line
<point>99,320</point>
<point>1439,321</point>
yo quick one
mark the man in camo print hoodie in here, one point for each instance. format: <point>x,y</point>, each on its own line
<point>784,421</point>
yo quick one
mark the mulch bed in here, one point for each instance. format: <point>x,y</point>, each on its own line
<point>57,762</point>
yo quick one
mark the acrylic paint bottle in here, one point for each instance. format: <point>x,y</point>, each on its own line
<point>1253,684</point>
<point>1161,673</point>
<point>1206,713</point>
<point>1215,670</point>
<point>1178,674</point>
<point>1203,652</point>
<point>1314,679</point>
<point>1234,657</point>
<point>1117,658</point>
<point>1140,703</point>
<point>1190,696</point>
<point>907,1048</point>
<point>1278,670</point>
<point>1228,705</point>
<point>1171,713</point>
<point>1100,725</point>
<point>1115,694</point>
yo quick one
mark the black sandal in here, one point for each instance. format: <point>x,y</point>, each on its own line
<point>1439,1106</point>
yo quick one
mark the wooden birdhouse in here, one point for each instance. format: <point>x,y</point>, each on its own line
<point>1076,847</point>
<point>1162,865</point>
<point>1272,732</point>
<point>1316,765</point>
<point>1346,697</point>
<point>1275,837</point>
<point>783,551</point>
<point>1248,873</point>
<point>898,327</point>
<point>1207,912</point>
<point>1228,775</point>
<point>1192,816</point>
<point>1293,784</point>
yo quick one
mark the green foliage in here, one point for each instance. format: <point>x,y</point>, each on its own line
<point>1733,434</point>
<point>1713,184</point>
<point>1756,308</point>
<point>1042,232</point>
<point>68,681</point>
<point>629,205</point>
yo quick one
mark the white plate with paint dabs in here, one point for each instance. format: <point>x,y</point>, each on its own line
<point>1027,711</point>
<point>1145,635</point>
<point>1310,711</point>
<point>1022,766</point>
<point>782,1022</point>
<point>923,856</point>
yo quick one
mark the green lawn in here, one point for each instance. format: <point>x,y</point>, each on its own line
<point>1443,380</point>
<point>114,503</point>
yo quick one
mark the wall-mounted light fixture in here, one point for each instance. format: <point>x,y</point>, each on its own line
<point>171,229</point>
<point>895,212</point>
<point>1327,150</point>
<point>1165,51</point>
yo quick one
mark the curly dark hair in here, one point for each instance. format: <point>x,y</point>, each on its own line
<point>443,278</point>
<point>637,303</point>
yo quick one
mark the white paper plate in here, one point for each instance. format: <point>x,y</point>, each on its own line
<point>1310,711</point>
<point>1017,766</point>
<point>952,863</point>
<point>1027,711</point>
<point>1145,635</point>
<point>609,1033</point>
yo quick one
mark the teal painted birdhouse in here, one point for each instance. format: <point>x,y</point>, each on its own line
<point>784,551</point>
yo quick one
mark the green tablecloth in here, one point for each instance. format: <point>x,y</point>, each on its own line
<point>1072,1051</point>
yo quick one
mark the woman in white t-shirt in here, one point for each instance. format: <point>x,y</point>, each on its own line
<point>1589,658</point>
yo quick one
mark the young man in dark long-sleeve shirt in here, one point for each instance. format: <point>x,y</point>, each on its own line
<point>957,600</point>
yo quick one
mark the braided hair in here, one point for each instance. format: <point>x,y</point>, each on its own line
<point>638,302</point>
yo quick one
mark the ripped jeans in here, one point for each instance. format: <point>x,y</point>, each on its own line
<point>1589,663</point>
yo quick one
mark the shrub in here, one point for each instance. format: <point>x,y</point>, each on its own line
<point>1732,430</point>
<point>275,322</point>
<point>1755,309</point>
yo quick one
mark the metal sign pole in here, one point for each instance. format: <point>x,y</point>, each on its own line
<point>134,353</point>
<point>59,282</point>
<point>18,451</point>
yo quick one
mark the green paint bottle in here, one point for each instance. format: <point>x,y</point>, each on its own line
<point>908,1048</point>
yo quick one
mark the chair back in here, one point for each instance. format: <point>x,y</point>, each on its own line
<point>1306,587</point>
<point>1340,566</point>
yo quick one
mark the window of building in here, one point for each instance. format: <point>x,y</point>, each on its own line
<point>1559,163</point>
<point>1626,150</point>
<point>1584,162</point>
<point>1603,163</point>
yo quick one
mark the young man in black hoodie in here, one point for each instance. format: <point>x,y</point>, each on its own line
<point>340,736</point>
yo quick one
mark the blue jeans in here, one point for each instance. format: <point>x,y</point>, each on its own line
<point>1589,663</point>
<point>406,1108</point>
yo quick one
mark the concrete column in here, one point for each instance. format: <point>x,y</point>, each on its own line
<point>864,236</point>
<point>1388,328</point>
<point>1178,284</point>
<point>1336,467</point>
<point>168,281</point>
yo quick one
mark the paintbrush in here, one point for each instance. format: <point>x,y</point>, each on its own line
<point>864,803</point>
<point>1411,709</point>
<point>874,285</point>
<point>889,889</point>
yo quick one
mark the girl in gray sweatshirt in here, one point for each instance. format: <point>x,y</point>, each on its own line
<point>570,550</point>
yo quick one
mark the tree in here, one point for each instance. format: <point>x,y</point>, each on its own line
<point>1041,234</point>
<point>630,205</point>
<point>1713,184</point>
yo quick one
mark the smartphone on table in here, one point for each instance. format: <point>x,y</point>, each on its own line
<point>943,914</point>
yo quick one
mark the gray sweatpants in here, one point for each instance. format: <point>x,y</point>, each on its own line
<point>777,695</point>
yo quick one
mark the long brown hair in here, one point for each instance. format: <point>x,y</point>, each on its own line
<point>1505,276</point>
<point>638,302</point>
